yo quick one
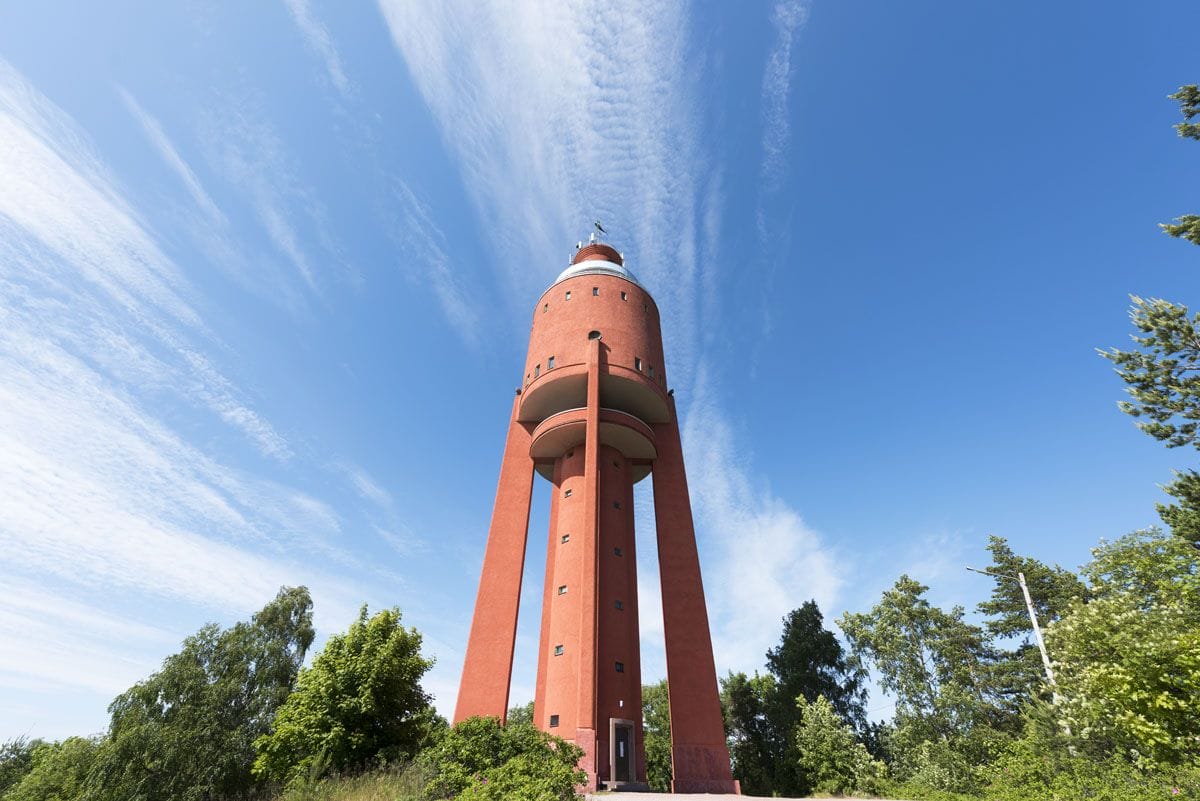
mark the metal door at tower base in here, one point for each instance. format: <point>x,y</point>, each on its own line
<point>621,752</point>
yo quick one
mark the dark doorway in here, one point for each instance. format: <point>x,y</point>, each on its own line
<point>624,753</point>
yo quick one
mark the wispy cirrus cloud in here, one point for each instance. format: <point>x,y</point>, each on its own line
<point>559,114</point>
<point>787,18</point>
<point>170,155</point>
<point>318,39</point>
<point>104,349</point>
<point>413,228</point>
<point>247,151</point>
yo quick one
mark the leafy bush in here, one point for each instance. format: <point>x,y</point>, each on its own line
<point>829,754</point>
<point>480,759</point>
<point>361,703</point>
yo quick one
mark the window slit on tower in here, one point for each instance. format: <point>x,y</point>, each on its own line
<point>566,493</point>
<point>537,370</point>
<point>620,667</point>
<point>566,537</point>
<point>619,605</point>
<point>595,291</point>
<point>553,721</point>
<point>550,365</point>
<point>568,294</point>
<point>616,551</point>
<point>616,504</point>
<point>558,650</point>
<point>562,589</point>
<point>624,296</point>
<point>545,308</point>
<point>637,364</point>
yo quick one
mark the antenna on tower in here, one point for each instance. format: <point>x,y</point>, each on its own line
<point>599,227</point>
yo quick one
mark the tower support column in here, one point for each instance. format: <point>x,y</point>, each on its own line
<point>699,754</point>
<point>487,670</point>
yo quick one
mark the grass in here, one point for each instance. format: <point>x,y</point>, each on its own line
<point>391,784</point>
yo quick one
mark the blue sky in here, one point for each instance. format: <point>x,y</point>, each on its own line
<point>266,273</point>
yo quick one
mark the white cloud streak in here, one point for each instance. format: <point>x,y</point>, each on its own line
<point>317,37</point>
<point>787,18</point>
<point>170,155</point>
<point>767,560</point>
<point>423,246</point>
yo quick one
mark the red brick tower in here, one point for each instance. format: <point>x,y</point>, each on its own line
<point>594,417</point>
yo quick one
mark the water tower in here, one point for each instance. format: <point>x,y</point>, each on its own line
<point>594,417</point>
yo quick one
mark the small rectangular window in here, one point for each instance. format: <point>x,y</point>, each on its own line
<point>645,306</point>
<point>616,551</point>
<point>566,493</point>
<point>545,308</point>
<point>595,291</point>
<point>562,589</point>
<point>550,365</point>
<point>558,650</point>
<point>553,720</point>
<point>650,370</point>
<point>637,364</point>
<point>568,294</point>
<point>624,296</point>
<point>537,370</point>
<point>616,504</point>
<point>566,537</point>
<point>620,667</point>
<point>619,605</point>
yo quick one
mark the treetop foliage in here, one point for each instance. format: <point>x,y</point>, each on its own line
<point>360,703</point>
<point>186,733</point>
<point>1188,226</point>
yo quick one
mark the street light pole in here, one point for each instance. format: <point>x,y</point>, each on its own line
<point>1037,635</point>
<point>1037,630</point>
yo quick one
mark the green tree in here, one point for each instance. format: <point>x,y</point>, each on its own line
<point>808,663</point>
<point>1018,674</point>
<point>520,714</point>
<point>1128,660</point>
<point>480,759</point>
<point>186,733</point>
<point>16,759</point>
<point>754,745</point>
<point>656,732</point>
<point>1163,373</point>
<point>58,771</point>
<point>938,668</point>
<point>1188,226</point>
<point>830,755</point>
<point>360,703</point>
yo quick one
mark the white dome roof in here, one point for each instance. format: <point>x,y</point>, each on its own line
<point>596,267</point>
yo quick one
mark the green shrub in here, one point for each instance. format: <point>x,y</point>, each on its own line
<point>830,756</point>
<point>480,759</point>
